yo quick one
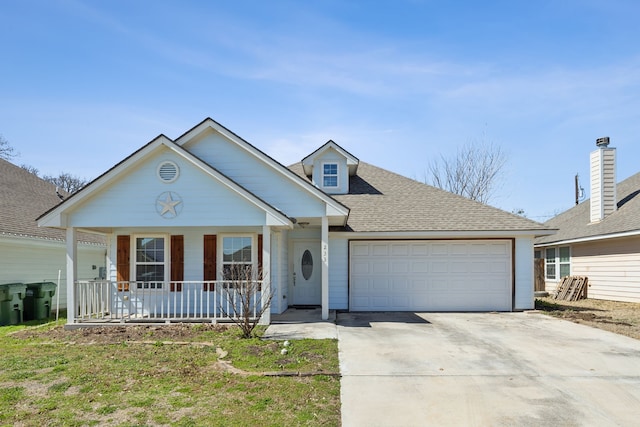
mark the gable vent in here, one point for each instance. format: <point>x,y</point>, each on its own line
<point>168,172</point>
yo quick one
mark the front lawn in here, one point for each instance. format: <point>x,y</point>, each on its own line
<point>183,375</point>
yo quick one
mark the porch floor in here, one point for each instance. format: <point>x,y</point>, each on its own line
<point>301,323</point>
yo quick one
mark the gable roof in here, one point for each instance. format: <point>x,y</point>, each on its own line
<point>574,224</point>
<point>352,161</point>
<point>23,197</point>
<point>53,216</point>
<point>209,123</point>
<point>383,201</point>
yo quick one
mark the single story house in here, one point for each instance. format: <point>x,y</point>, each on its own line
<point>29,253</point>
<point>600,237</point>
<point>330,231</point>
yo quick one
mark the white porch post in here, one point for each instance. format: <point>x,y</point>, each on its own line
<point>266,274</point>
<point>72,273</point>
<point>324,247</point>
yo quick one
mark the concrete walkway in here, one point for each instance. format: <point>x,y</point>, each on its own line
<point>295,324</point>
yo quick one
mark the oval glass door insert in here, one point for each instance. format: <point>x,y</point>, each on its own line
<point>307,265</point>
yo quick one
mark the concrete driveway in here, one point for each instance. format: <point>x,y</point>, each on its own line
<point>485,369</point>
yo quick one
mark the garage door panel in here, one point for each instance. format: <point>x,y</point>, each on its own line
<point>420,267</point>
<point>439,249</point>
<point>360,267</point>
<point>400,284</point>
<point>439,267</point>
<point>380,268</point>
<point>360,285</point>
<point>400,267</point>
<point>431,276</point>
<point>418,285</point>
<point>499,267</point>
<point>479,267</point>
<point>419,250</point>
<point>400,302</point>
<point>400,250</point>
<point>381,284</point>
<point>379,250</point>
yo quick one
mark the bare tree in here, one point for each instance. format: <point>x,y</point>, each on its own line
<point>472,172</point>
<point>244,298</point>
<point>7,152</point>
<point>67,182</point>
<point>31,169</point>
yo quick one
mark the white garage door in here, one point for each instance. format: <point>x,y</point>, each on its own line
<point>436,275</point>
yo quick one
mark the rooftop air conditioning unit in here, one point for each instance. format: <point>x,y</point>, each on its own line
<point>602,142</point>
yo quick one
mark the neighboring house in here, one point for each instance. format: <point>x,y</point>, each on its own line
<point>330,231</point>
<point>600,237</point>
<point>29,253</point>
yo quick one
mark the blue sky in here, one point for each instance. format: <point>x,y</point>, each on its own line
<point>397,83</point>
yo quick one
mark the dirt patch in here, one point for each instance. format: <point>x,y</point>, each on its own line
<point>619,317</point>
<point>128,333</point>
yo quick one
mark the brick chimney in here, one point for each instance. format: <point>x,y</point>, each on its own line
<point>603,180</point>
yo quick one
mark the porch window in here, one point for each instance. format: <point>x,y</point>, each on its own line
<point>150,262</point>
<point>330,175</point>
<point>237,257</point>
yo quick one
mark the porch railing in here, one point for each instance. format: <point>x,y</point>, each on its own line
<point>209,301</point>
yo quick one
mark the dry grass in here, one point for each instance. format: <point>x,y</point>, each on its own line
<point>170,375</point>
<point>619,317</point>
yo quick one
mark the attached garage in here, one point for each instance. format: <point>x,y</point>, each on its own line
<point>433,275</point>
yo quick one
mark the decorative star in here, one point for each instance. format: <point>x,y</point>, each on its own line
<point>168,205</point>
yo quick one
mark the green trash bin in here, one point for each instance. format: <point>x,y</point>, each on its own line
<point>11,304</point>
<point>37,301</point>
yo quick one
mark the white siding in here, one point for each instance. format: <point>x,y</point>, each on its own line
<point>524,274</point>
<point>32,260</point>
<point>131,201</point>
<point>332,156</point>
<point>612,266</point>
<point>551,286</point>
<point>256,176</point>
<point>338,274</point>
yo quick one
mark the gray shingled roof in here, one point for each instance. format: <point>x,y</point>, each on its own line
<point>575,222</point>
<point>383,201</point>
<point>23,198</point>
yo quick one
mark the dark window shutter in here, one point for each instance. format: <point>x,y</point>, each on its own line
<point>177,262</point>
<point>210,265</point>
<point>122,262</point>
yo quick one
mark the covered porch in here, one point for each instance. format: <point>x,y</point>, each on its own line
<point>184,275</point>
<point>166,302</point>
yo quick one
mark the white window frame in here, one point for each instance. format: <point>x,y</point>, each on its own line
<point>135,263</point>
<point>556,262</point>
<point>561,263</point>
<point>550,261</point>
<point>326,175</point>
<point>220,250</point>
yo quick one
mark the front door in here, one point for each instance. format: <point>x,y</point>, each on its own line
<point>307,280</point>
